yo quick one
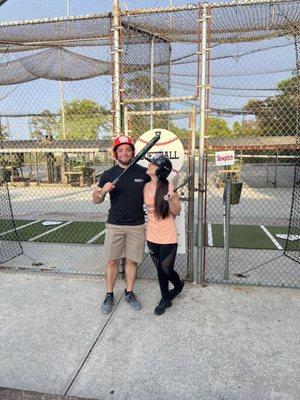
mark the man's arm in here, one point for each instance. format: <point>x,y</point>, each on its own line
<point>100,193</point>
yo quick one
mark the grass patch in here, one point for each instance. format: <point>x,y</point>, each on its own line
<point>76,232</point>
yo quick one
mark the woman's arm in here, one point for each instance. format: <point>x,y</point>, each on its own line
<point>174,203</point>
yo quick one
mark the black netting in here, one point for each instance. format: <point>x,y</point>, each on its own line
<point>292,248</point>
<point>10,245</point>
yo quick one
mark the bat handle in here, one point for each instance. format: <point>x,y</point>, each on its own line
<point>116,180</point>
<point>101,196</point>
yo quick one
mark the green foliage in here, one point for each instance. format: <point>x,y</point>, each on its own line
<point>218,127</point>
<point>140,88</point>
<point>4,133</point>
<point>277,115</point>
<point>42,125</point>
<point>246,128</point>
<point>83,118</point>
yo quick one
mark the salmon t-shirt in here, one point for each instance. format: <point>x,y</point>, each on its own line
<point>161,231</point>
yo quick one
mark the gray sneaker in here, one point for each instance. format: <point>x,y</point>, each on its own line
<point>131,299</point>
<point>107,304</point>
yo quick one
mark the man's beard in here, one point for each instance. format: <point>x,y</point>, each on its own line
<point>127,162</point>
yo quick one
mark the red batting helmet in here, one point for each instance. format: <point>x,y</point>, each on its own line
<point>122,140</point>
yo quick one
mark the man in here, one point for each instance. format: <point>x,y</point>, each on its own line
<point>125,228</point>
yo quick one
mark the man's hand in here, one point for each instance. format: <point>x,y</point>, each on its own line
<point>99,193</point>
<point>108,187</point>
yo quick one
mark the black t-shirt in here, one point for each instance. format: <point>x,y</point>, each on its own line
<point>126,200</point>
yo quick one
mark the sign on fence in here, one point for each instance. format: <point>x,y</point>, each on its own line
<point>225,157</point>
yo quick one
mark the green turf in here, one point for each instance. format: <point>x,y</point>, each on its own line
<point>7,225</point>
<point>284,230</point>
<point>242,236</point>
<point>28,232</point>
<point>100,240</point>
<point>76,232</point>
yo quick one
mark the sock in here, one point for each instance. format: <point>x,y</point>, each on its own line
<point>110,293</point>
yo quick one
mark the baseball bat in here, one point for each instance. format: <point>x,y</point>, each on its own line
<point>180,185</point>
<point>141,154</point>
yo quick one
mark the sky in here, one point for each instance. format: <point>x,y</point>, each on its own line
<point>14,10</point>
<point>234,79</point>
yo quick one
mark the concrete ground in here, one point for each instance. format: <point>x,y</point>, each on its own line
<point>217,342</point>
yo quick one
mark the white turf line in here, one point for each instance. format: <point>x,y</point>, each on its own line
<point>279,247</point>
<point>21,227</point>
<point>51,230</point>
<point>209,235</point>
<point>96,237</point>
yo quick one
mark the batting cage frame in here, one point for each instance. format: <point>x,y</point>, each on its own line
<point>210,73</point>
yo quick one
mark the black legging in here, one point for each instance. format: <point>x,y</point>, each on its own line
<point>163,256</point>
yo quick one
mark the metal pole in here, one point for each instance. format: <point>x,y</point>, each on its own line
<point>191,215</point>
<point>116,28</point>
<point>226,215</point>
<point>276,168</point>
<point>151,81</point>
<point>62,101</point>
<point>68,7</point>
<point>61,85</point>
<point>117,89</point>
<point>200,220</point>
<point>125,108</point>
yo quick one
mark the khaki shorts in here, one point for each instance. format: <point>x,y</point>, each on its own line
<point>124,241</point>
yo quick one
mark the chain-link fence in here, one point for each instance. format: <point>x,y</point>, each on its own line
<point>254,79</point>
<point>55,111</point>
<point>236,64</point>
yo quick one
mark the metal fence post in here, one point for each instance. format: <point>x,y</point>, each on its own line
<point>200,220</point>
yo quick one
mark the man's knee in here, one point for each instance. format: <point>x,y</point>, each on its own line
<point>131,263</point>
<point>113,264</point>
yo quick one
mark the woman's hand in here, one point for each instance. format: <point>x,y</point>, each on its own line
<point>169,196</point>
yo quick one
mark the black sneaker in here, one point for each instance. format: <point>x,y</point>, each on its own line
<point>131,299</point>
<point>161,307</point>
<point>107,304</point>
<point>175,292</point>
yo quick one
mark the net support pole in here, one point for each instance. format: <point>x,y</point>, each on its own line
<point>191,216</point>
<point>117,89</point>
<point>226,224</point>
<point>116,61</point>
<point>151,81</point>
<point>62,99</point>
<point>201,183</point>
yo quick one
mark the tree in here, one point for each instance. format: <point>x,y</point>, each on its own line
<point>83,119</point>
<point>140,88</point>
<point>246,128</point>
<point>278,115</point>
<point>42,125</point>
<point>4,132</point>
<point>218,127</point>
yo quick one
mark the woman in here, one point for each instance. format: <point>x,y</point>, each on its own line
<point>161,233</point>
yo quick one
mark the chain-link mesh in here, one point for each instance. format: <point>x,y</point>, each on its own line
<point>292,248</point>
<point>254,103</point>
<point>8,248</point>
<point>55,101</point>
<point>54,121</point>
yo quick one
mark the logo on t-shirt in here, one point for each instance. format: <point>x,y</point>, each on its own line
<point>139,180</point>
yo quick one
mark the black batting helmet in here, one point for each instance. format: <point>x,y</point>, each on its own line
<point>164,164</point>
